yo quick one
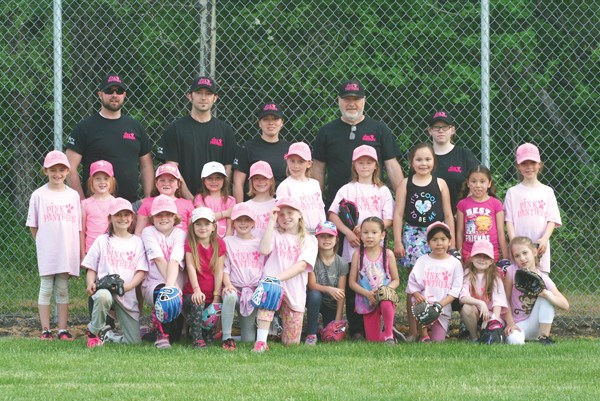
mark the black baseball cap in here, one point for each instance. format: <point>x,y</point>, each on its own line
<point>111,80</point>
<point>272,109</point>
<point>351,88</point>
<point>441,115</point>
<point>203,83</point>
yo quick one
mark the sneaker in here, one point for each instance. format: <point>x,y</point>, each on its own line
<point>229,344</point>
<point>107,335</point>
<point>545,340</point>
<point>93,340</point>
<point>162,342</point>
<point>398,336</point>
<point>260,346</point>
<point>463,333</point>
<point>46,334</point>
<point>65,335</point>
<point>390,341</point>
<point>425,339</point>
<point>199,344</point>
<point>311,339</point>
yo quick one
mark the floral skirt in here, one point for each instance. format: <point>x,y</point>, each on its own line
<point>414,240</point>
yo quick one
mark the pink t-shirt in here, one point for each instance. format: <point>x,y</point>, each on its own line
<point>522,304</point>
<point>57,216</point>
<point>122,256</point>
<point>206,278</point>
<point>310,197</point>
<point>285,251</point>
<point>244,264</point>
<point>262,211</point>
<point>157,245</point>
<point>530,209</point>
<point>184,209</point>
<point>370,200</point>
<point>96,218</point>
<point>480,223</point>
<point>498,295</point>
<point>216,205</point>
<point>435,279</point>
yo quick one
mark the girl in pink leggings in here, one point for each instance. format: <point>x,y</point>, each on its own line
<point>373,266</point>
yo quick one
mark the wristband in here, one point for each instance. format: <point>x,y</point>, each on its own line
<point>216,293</point>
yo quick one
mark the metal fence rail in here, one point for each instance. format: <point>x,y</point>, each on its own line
<point>413,56</point>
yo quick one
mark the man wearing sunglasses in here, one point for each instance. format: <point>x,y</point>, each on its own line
<point>335,142</point>
<point>112,136</point>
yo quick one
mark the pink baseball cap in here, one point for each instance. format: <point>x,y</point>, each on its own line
<point>242,209</point>
<point>102,166</point>
<point>364,150</point>
<point>168,168</point>
<point>326,227</point>
<point>163,203</point>
<point>289,202</point>
<point>299,149</point>
<point>203,213</point>
<point>484,247</point>
<point>528,151</point>
<point>211,168</point>
<point>439,224</point>
<point>55,157</point>
<point>119,204</point>
<point>261,168</point>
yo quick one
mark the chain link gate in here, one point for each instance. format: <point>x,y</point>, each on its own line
<point>412,56</point>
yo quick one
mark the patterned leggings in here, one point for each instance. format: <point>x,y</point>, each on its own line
<point>193,314</point>
<point>292,323</point>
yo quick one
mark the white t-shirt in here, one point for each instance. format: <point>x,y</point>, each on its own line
<point>262,211</point>
<point>310,197</point>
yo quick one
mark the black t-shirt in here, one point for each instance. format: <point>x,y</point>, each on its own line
<point>192,144</point>
<point>453,167</point>
<point>257,149</point>
<point>122,142</point>
<point>333,147</point>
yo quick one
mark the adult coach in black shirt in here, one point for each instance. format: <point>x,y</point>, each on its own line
<point>332,151</point>
<point>452,162</point>
<point>335,142</point>
<point>199,138</point>
<point>112,136</point>
<point>268,147</point>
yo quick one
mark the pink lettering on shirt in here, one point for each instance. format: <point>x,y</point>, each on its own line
<point>120,259</point>
<point>532,208</point>
<point>216,141</point>
<point>455,169</point>
<point>129,135</point>
<point>59,213</point>
<point>369,138</point>
<point>436,279</point>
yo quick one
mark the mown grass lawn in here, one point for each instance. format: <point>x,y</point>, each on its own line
<point>34,370</point>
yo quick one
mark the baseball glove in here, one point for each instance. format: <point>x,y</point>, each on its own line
<point>456,253</point>
<point>335,331</point>
<point>529,283</point>
<point>385,293</point>
<point>502,265</point>
<point>348,213</point>
<point>210,315</point>
<point>112,282</point>
<point>168,304</point>
<point>426,313</point>
<point>269,294</point>
<point>493,333</point>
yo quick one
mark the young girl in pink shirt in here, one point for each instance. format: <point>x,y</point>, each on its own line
<point>482,294</point>
<point>94,210</point>
<point>214,195</point>
<point>116,252</point>
<point>167,182</point>
<point>292,253</point>
<point>301,186</point>
<point>261,191</point>
<point>243,270</point>
<point>54,218</point>
<point>480,215</point>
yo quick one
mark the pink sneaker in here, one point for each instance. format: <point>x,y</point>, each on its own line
<point>65,335</point>
<point>260,346</point>
<point>162,342</point>
<point>46,334</point>
<point>93,340</point>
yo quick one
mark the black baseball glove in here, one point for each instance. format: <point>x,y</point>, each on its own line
<point>493,333</point>
<point>529,283</point>
<point>112,282</point>
<point>426,313</point>
<point>348,213</point>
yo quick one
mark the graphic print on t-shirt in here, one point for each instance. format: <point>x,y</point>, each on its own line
<point>423,202</point>
<point>478,224</point>
<point>532,208</point>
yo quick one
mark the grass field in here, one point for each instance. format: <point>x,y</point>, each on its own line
<point>457,371</point>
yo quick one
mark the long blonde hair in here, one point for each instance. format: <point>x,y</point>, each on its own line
<point>302,231</point>
<point>489,279</point>
<point>193,242</point>
<point>529,243</point>
<point>376,175</point>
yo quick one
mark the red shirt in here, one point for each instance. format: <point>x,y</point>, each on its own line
<point>206,278</point>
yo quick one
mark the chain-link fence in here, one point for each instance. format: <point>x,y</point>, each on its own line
<point>413,56</point>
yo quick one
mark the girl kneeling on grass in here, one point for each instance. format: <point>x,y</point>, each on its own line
<point>482,294</point>
<point>372,267</point>
<point>436,277</point>
<point>116,252</point>
<point>530,317</point>
<point>292,254</point>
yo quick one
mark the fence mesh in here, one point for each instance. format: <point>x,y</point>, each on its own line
<point>413,56</point>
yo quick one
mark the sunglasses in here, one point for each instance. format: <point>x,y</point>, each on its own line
<point>110,91</point>
<point>352,133</point>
